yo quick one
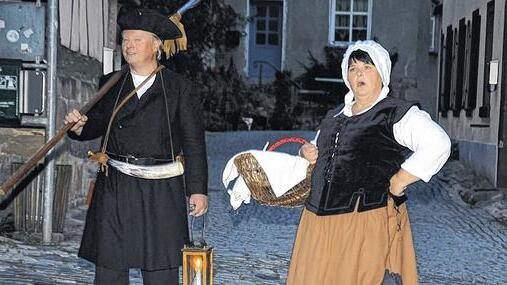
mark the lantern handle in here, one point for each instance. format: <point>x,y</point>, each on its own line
<point>202,241</point>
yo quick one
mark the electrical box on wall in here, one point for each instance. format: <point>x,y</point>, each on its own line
<point>22,92</point>
<point>32,90</point>
<point>22,27</point>
<point>493,72</point>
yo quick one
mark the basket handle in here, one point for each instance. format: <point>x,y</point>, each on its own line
<point>286,140</point>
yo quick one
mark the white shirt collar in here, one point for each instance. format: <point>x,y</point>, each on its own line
<point>138,79</point>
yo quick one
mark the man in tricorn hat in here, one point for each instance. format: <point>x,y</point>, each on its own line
<point>133,221</point>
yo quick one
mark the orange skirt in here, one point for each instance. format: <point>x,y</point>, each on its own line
<point>353,248</point>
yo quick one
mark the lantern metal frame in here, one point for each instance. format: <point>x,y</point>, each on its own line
<point>197,259</point>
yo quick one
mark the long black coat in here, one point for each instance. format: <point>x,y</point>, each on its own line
<point>134,222</point>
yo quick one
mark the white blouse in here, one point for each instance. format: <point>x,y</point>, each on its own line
<point>417,131</point>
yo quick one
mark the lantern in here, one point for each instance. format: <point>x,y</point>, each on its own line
<point>197,257</point>
<point>197,265</point>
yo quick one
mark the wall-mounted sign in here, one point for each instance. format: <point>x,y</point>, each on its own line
<point>22,28</point>
<point>9,92</point>
<point>8,82</point>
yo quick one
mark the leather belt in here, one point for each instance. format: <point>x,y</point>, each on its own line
<point>139,160</point>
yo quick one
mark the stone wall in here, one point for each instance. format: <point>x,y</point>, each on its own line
<point>77,83</point>
<point>77,80</point>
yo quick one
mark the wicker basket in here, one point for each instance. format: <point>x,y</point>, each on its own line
<point>258,183</point>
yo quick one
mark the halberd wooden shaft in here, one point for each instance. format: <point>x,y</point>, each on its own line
<point>19,174</point>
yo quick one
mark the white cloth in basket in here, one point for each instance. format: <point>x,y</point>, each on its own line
<point>283,170</point>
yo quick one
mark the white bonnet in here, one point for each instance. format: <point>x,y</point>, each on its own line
<point>378,54</point>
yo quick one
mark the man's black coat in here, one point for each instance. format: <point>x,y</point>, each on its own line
<point>134,222</point>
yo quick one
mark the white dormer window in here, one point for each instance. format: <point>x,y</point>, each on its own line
<point>349,21</point>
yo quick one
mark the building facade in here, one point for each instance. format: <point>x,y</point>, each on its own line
<point>281,35</point>
<point>472,107</point>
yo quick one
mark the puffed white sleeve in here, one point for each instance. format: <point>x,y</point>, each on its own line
<point>430,144</point>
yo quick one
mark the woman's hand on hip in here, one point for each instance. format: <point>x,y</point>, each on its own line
<point>396,186</point>
<point>198,204</point>
<point>309,152</point>
<point>400,181</point>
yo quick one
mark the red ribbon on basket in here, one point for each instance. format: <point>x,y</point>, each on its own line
<point>286,140</point>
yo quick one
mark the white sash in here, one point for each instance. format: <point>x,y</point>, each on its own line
<point>160,171</point>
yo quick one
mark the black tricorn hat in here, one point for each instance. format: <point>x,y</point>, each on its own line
<point>148,20</point>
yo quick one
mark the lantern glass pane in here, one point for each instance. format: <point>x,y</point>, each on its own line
<point>197,266</point>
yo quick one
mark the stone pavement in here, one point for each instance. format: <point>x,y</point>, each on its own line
<point>475,190</point>
<point>253,245</point>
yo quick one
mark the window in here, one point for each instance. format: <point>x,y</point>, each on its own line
<point>267,24</point>
<point>435,22</point>
<point>457,101</point>
<point>488,53</point>
<point>459,66</point>
<point>454,70</point>
<point>441,81</point>
<point>350,21</point>
<point>445,81</point>
<point>470,100</point>
<point>434,28</point>
<point>466,64</point>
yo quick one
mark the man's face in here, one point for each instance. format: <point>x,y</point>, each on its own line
<point>139,47</point>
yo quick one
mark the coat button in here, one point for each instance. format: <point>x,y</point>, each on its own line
<point>120,126</point>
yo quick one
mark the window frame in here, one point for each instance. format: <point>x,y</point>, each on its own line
<point>434,34</point>
<point>332,21</point>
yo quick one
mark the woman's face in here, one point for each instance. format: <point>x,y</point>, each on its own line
<point>364,79</point>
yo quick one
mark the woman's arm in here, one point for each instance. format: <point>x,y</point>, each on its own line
<point>430,144</point>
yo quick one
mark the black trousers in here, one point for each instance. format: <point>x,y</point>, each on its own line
<point>104,276</point>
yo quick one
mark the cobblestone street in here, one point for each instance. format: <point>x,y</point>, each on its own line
<point>455,242</point>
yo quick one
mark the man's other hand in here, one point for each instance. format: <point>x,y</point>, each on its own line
<point>198,204</point>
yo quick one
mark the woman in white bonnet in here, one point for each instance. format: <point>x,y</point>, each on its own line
<point>355,223</point>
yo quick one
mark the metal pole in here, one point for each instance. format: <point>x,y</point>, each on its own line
<point>47,226</point>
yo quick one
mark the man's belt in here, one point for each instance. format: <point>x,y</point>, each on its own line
<point>130,159</point>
